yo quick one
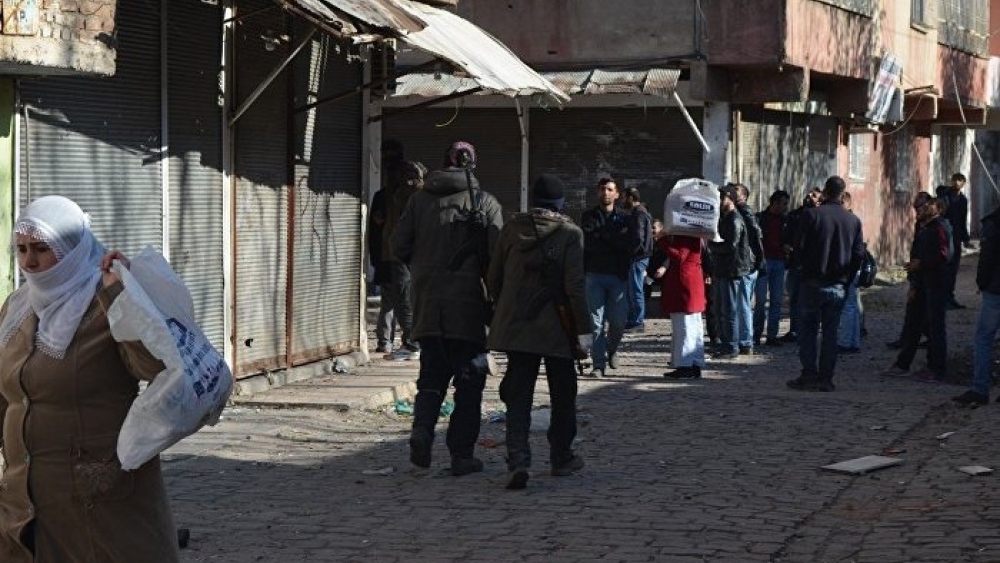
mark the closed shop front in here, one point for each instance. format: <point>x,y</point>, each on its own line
<point>787,151</point>
<point>427,133</point>
<point>325,210</point>
<point>647,148</point>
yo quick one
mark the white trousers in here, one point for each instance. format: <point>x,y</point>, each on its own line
<point>688,340</point>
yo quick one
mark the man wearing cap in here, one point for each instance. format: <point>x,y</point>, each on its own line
<point>536,276</point>
<point>830,243</point>
<point>441,223</point>
<point>609,243</point>
<point>731,260</point>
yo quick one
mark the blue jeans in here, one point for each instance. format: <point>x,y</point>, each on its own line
<point>744,311</point>
<point>982,351</point>
<point>793,281</point>
<point>820,305</point>
<point>606,297</point>
<point>727,292</point>
<point>768,294</point>
<point>849,331</point>
<point>636,293</point>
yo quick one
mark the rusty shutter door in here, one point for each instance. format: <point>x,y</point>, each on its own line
<point>426,135</point>
<point>647,148</point>
<point>751,173</point>
<point>195,158</point>
<point>261,195</point>
<point>97,140</point>
<point>326,280</point>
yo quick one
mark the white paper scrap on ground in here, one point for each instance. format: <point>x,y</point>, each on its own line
<point>863,465</point>
<point>975,470</point>
<point>944,435</point>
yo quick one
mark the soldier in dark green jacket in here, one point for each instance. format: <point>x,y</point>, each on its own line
<point>537,266</point>
<point>444,236</point>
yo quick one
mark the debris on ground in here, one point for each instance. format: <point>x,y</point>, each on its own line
<point>862,465</point>
<point>384,471</point>
<point>975,470</point>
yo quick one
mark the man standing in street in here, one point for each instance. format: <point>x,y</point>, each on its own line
<point>731,261</point>
<point>957,214</point>
<point>831,246</point>
<point>926,300</point>
<point>770,288</point>
<point>536,276</point>
<point>396,293</point>
<point>608,247</point>
<point>642,223</point>
<point>793,267</point>
<point>378,241</point>
<point>744,307</point>
<point>444,235</point>
<point>988,281</point>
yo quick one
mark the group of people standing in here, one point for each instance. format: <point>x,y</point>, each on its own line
<point>551,292</point>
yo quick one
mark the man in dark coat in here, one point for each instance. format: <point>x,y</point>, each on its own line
<point>988,282</point>
<point>641,222</point>
<point>748,283</point>
<point>793,267</point>
<point>928,274</point>
<point>392,162</point>
<point>831,246</point>
<point>536,267</point>
<point>957,214</point>
<point>609,243</point>
<point>732,259</point>
<point>444,235</point>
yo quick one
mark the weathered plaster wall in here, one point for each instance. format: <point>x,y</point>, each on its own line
<point>44,37</point>
<point>560,33</point>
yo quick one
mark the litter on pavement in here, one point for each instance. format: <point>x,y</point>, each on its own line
<point>975,470</point>
<point>863,465</point>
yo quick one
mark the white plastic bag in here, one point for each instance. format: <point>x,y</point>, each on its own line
<point>692,208</point>
<point>156,308</point>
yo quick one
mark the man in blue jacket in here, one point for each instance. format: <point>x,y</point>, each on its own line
<point>831,246</point>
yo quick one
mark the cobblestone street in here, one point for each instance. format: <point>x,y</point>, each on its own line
<point>723,469</point>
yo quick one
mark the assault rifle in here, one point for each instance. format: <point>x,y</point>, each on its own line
<point>477,244</point>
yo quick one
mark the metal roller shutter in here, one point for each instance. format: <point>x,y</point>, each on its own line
<point>326,280</point>
<point>650,149</point>
<point>261,196</point>
<point>792,152</point>
<point>97,140</point>
<point>195,163</point>
<point>496,134</point>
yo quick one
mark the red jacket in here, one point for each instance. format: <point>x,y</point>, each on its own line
<point>683,286</point>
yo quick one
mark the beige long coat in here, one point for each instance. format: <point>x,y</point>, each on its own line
<point>61,477</point>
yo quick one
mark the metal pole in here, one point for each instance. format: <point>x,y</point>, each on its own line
<point>270,78</point>
<point>694,126</point>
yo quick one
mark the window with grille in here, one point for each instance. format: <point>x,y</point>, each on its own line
<point>857,155</point>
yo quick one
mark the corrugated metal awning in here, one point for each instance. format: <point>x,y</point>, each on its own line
<point>649,82</point>
<point>442,34</point>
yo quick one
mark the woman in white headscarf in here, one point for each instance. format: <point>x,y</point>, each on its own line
<point>65,388</point>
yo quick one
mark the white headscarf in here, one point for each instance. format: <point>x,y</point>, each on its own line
<point>60,295</point>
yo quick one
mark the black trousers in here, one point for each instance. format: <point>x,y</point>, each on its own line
<point>517,391</point>
<point>926,311</point>
<point>442,361</point>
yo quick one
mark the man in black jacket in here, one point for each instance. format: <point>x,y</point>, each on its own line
<point>957,214</point>
<point>988,281</point>
<point>641,222</point>
<point>731,260</point>
<point>927,271</point>
<point>793,267</point>
<point>609,243</point>
<point>748,283</point>
<point>831,246</point>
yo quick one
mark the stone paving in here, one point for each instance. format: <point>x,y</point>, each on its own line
<point>725,469</point>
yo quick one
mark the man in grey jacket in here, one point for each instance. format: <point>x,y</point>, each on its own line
<point>444,235</point>
<point>536,275</point>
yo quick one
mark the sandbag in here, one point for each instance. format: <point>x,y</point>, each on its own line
<point>692,209</point>
<point>156,308</point>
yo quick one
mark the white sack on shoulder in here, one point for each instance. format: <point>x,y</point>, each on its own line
<point>156,308</point>
<point>692,209</point>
